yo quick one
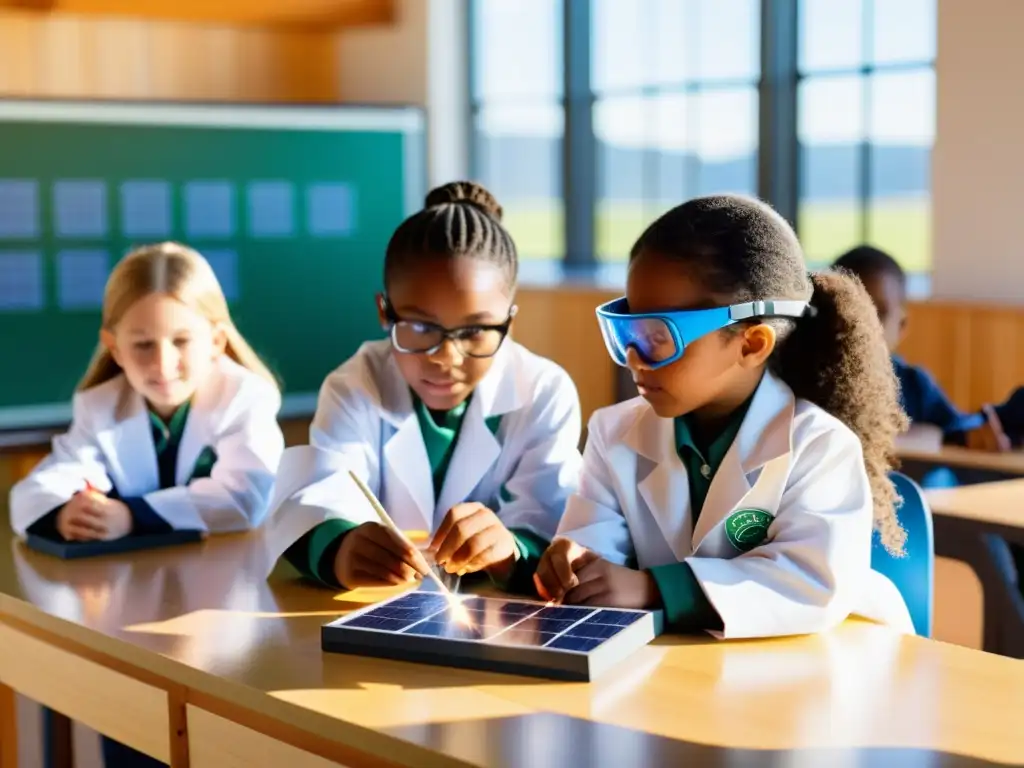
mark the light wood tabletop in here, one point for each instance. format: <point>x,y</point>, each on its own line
<point>999,503</point>
<point>1010,463</point>
<point>247,648</point>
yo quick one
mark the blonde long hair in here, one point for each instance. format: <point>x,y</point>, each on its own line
<point>179,272</point>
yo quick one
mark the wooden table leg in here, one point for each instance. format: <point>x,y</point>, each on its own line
<point>57,746</point>
<point>8,728</point>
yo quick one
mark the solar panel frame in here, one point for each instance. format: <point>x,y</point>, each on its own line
<point>568,654</point>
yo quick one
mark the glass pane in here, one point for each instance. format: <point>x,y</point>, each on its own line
<point>672,164</point>
<point>517,48</point>
<point>728,46</point>
<point>621,51</point>
<point>902,131</point>
<point>726,141</point>
<point>831,34</point>
<point>519,158</point>
<point>623,173</point>
<point>673,62</point>
<point>903,31</point>
<point>831,129</point>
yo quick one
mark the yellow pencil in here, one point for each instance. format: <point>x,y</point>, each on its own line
<point>389,523</point>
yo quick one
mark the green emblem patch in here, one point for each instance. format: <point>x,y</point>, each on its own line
<point>746,528</point>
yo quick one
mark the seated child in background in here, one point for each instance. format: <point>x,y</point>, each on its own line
<point>1011,417</point>
<point>174,425</point>
<point>921,397</point>
<point>739,492</point>
<point>456,428</point>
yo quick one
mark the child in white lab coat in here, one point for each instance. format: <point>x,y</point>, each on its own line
<point>458,430</point>
<point>174,425</point>
<point>739,492</point>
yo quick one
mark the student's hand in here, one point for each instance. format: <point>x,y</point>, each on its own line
<point>373,556</point>
<point>613,586</point>
<point>990,436</point>
<point>91,516</point>
<point>471,538</point>
<point>76,520</point>
<point>556,572</point>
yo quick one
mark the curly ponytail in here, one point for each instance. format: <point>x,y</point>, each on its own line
<point>743,250</point>
<point>838,360</point>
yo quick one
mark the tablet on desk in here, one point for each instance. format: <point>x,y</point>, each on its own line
<point>72,550</point>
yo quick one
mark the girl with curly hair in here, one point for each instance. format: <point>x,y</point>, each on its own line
<point>739,492</point>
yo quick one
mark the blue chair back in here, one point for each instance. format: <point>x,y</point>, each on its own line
<point>914,573</point>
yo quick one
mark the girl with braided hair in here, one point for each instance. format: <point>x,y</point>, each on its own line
<point>457,429</point>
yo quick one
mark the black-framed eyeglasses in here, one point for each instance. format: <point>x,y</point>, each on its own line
<point>421,337</point>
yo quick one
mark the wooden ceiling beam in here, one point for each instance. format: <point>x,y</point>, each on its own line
<point>323,15</point>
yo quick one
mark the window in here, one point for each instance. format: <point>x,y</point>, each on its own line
<point>675,115</point>
<point>518,117</point>
<point>866,125</point>
<point>592,117</point>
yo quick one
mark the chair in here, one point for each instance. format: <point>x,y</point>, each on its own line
<point>914,573</point>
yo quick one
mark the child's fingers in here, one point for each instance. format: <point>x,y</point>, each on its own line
<point>387,558</point>
<point>454,515</point>
<point>538,584</point>
<point>461,532</point>
<point>80,531</point>
<point>563,573</point>
<point>394,546</point>
<point>386,571</point>
<point>87,520</point>
<point>593,592</point>
<point>552,588</point>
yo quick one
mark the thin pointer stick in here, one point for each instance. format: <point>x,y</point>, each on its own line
<point>389,523</point>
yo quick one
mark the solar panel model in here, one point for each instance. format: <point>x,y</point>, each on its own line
<point>495,634</point>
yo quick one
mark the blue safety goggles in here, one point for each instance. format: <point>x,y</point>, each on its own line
<point>659,338</point>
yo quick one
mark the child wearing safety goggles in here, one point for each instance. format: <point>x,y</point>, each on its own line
<point>738,493</point>
<point>460,432</point>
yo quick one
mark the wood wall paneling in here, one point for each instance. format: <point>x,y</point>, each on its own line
<point>76,56</point>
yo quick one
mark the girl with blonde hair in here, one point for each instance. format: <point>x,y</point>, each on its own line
<point>174,425</point>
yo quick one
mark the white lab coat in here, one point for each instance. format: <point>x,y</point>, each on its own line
<point>110,444</point>
<point>790,459</point>
<point>365,423</point>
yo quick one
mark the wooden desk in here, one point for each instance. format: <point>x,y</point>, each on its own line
<point>220,667</point>
<point>990,466</point>
<point>973,523</point>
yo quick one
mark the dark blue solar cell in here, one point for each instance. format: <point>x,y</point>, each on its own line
<point>596,631</point>
<point>534,624</point>
<point>450,630</point>
<point>617,618</point>
<point>520,609</point>
<point>579,644</point>
<point>417,599</point>
<point>563,613</point>
<point>407,615</point>
<point>376,622</point>
<point>523,637</point>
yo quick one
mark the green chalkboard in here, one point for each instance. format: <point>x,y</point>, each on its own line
<point>293,206</point>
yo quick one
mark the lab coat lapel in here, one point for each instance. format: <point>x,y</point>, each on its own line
<point>742,480</point>
<point>477,448</point>
<point>662,479</point>
<point>198,428</point>
<point>128,445</point>
<point>407,483</point>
